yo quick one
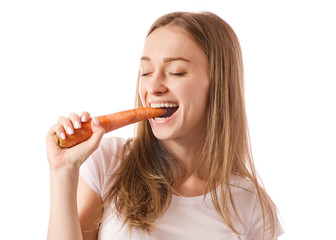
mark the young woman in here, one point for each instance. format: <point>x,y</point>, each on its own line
<point>186,176</point>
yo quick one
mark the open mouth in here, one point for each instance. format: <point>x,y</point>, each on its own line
<point>170,107</point>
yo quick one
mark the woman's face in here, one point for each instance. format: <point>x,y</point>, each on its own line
<point>174,73</point>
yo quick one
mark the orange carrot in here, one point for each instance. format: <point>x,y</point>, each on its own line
<point>109,123</point>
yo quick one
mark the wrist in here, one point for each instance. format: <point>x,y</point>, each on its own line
<point>66,176</point>
<point>71,170</point>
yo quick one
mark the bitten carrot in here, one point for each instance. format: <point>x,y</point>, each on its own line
<point>110,122</point>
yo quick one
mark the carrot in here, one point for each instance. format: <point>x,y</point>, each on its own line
<point>110,122</point>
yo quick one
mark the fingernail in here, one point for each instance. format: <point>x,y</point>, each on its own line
<point>70,130</point>
<point>63,135</point>
<point>77,125</point>
<point>95,121</point>
<point>83,119</point>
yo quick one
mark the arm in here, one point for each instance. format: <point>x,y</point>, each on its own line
<point>63,218</point>
<point>64,174</point>
<point>90,209</point>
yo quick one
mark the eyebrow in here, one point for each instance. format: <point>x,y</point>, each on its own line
<point>168,59</point>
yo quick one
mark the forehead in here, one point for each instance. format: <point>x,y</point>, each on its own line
<point>171,41</point>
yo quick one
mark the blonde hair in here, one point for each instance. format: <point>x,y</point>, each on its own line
<point>143,189</point>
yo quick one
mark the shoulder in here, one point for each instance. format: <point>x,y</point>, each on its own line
<point>248,205</point>
<point>243,189</point>
<point>109,152</point>
<point>98,170</point>
<point>244,194</point>
<point>112,145</point>
<point>245,197</point>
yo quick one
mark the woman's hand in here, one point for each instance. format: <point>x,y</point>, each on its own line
<point>64,166</point>
<point>71,158</point>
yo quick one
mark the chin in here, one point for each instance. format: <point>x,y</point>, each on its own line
<point>162,134</point>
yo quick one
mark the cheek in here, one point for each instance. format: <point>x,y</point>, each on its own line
<point>142,91</point>
<point>201,97</point>
<point>198,92</point>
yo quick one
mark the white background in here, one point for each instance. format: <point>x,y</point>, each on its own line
<point>58,57</point>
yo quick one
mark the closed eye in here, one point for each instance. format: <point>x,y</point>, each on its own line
<point>145,74</point>
<point>178,74</point>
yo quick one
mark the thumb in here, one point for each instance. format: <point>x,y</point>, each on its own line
<point>98,133</point>
<point>86,148</point>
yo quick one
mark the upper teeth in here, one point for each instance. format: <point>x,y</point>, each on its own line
<point>160,105</point>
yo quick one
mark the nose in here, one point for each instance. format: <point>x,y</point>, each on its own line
<point>156,84</point>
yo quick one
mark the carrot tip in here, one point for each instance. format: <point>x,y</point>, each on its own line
<point>57,139</point>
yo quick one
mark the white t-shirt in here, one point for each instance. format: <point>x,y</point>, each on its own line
<point>186,218</point>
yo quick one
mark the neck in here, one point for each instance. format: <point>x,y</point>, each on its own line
<point>188,183</point>
<point>186,154</point>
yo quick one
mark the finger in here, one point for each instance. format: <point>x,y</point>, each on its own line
<point>51,133</point>
<point>60,131</point>
<point>52,147</point>
<point>98,133</point>
<point>67,125</point>
<point>84,116</point>
<point>56,129</point>
<point>92,143</point>
<point>75,120</point>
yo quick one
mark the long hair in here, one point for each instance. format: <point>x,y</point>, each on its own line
<point>143,189</point>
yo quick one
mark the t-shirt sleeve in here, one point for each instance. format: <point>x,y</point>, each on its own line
<point>256,224</point>
<point>98,170</point>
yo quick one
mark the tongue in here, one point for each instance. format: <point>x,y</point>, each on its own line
<point>170,111</point>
